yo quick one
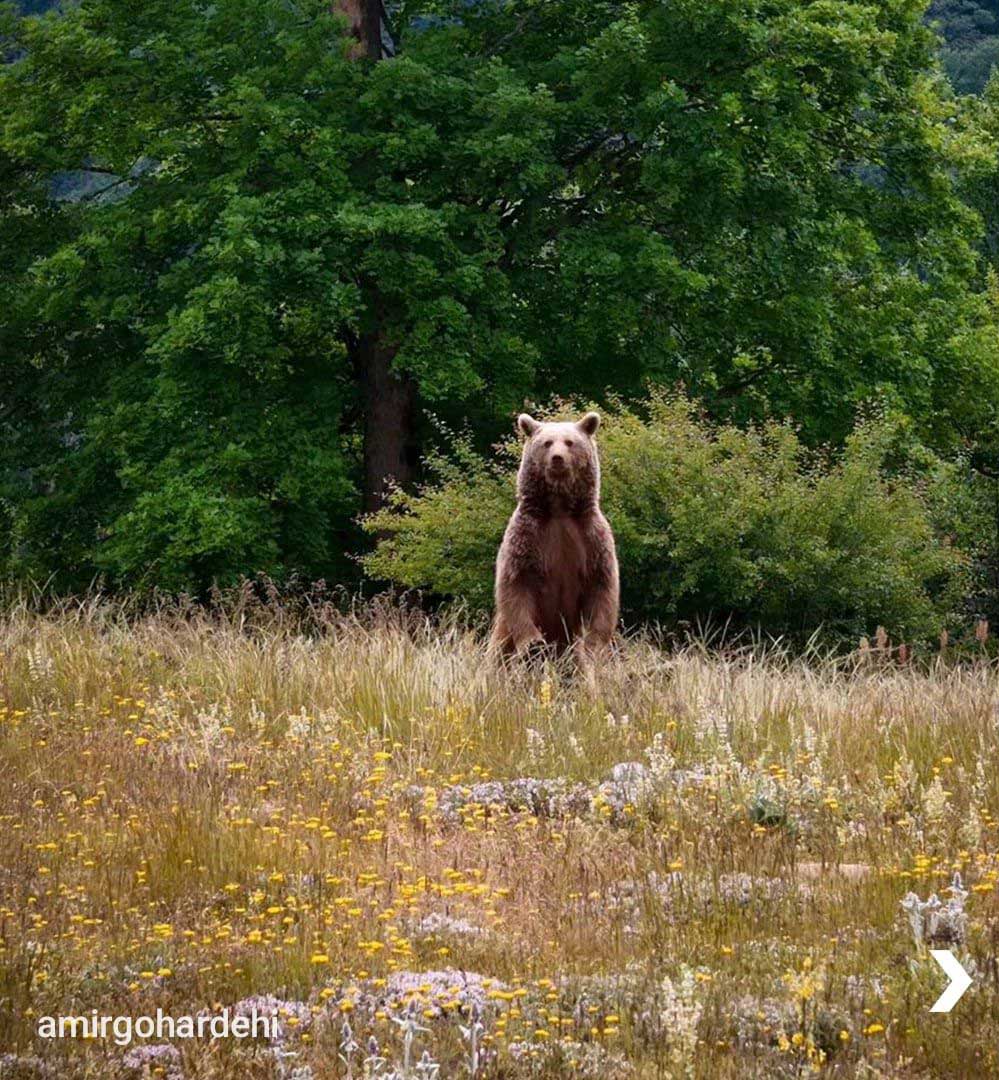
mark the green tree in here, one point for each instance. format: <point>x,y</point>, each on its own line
<point>279,253</point>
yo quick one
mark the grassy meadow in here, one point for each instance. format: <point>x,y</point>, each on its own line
<point>429,867</point>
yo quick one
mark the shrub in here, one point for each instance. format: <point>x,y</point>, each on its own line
<point>712,522</point>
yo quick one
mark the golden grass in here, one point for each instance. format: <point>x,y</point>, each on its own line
<point>199,808</point>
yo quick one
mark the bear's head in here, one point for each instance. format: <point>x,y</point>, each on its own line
<point>559,463</point>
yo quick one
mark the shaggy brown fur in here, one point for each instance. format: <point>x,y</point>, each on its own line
<point>556,572</point>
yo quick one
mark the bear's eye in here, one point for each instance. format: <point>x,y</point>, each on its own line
<point>548,442</point>
<point>568,442</point>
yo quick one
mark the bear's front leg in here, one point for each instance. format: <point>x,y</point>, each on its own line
<point>601,600</point>
<point>519,574</point>
<point>515,628</point>
<point>599,625</point>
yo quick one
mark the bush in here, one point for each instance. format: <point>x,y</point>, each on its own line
<point>746,527</point>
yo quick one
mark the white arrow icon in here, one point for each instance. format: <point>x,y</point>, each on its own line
<point>960,980</point>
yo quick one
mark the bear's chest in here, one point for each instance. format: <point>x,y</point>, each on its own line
<point>564,570</point>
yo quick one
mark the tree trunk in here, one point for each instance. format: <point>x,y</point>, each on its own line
<point>372,29</point>
<point>365,25</point>
<point>390,453</point>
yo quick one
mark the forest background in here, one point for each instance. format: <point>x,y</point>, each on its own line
<point>267,269</point>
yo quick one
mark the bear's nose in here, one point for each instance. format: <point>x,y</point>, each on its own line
<point>558,459</point>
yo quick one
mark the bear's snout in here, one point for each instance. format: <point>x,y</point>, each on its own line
<point>559,456</point>
<point>559,465</point>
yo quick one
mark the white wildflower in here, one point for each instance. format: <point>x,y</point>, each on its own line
<point>935,802</point>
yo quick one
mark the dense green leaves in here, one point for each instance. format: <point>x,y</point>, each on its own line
<point>192,338</point>
<point>763,202</point>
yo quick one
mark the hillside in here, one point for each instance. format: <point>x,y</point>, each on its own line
<point>969,28</point>
<point>970,31</point>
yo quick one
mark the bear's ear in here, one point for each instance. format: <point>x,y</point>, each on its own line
<point>527,424</point>
<point>589,424</point>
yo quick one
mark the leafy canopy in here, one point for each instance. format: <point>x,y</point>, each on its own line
<point>203,208</point>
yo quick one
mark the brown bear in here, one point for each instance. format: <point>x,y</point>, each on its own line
<point>556,572</point>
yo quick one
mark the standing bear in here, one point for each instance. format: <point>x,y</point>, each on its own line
<point>556,572</point>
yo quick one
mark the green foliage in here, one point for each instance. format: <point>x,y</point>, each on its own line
<point>206,209</point>
<point>445,536</point>
<point>746,525</point>
<point>180,376</point>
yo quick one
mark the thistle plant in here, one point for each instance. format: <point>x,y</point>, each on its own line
<point>374,1061</point>
<point>935,921</point>
<point>472,1035</point>
<point>348,1047</point>
<point>409,1027</point>
<point>426,1067</point>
